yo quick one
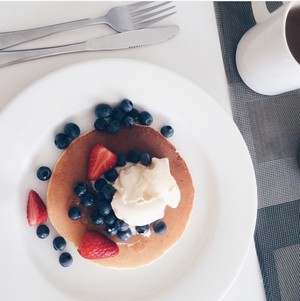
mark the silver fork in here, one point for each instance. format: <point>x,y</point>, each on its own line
<point>121,18</point>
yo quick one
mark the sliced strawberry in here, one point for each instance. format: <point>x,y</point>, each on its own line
<point>36,209</point>
<point>95,245</point>
<point>100,161</point>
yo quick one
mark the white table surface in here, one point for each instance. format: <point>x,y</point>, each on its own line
<point>195,53</point>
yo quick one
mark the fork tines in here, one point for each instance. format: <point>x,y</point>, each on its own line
<point>152,14</point>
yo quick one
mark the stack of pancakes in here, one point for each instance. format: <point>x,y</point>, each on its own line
<point>72,167</point>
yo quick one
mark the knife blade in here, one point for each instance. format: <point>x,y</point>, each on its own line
<point>124,40</point>
<point>134,38</point>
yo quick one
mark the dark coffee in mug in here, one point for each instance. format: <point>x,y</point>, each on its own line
<point>292,30</point>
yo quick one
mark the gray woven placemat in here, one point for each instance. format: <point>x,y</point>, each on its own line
<point>271,129</point>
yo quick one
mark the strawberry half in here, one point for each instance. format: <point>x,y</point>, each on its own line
<point>95,245</point>
<point>36,209</point>
<point>100,161</point>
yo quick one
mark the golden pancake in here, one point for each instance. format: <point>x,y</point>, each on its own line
<point>71,168</point>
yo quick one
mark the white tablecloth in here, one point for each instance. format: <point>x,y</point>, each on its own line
<point>195,53</point>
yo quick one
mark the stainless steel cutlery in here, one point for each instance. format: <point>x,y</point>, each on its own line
<point>124,40</point>
<point>121,18</point>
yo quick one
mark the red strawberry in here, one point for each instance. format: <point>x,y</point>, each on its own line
<point>36,209</point>
<point>100,161</point>
<point>95,245</point>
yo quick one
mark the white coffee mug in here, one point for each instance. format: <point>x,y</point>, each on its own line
<point>267,54</point>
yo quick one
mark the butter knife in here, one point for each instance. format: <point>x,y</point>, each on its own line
<point>124,40</point>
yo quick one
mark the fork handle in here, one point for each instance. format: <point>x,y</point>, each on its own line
<point>11,57</point>
<point>11,38</point>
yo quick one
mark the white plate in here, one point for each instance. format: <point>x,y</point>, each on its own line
<point>204,263</point>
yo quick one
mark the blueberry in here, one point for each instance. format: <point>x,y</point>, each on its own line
<point>108,191</point>
<point>80,189</point>
<point>159,227</point>
<point>167,131</point>
<point>121,225</point>
<point>128,121</point>
<point>134,156</point>
<point>145,118</point>
<point>103,110</point>
<point>87,200</point>
<point>142,229</point>
<point>111,175</point>
<point>113,126</point>
<point>124,235</point>
<point>72,130</point>
<point>104,208</point>
<point>65,259</point>
<point>62,141</point>
<point>74,213</point>
<point>59,243</point>
<point>126,105</point>
<point>145,159</point>
<point>42,231</point>
<point>111,230</point>
<point>100,198</point>
<point>96,217</point>
<point>98,185</point>
<point>134,113</point>
<point>43,173</point>
<point>110,218</point>
<point>122,160</point>
<point>118,114</point>
<point>100,124</point>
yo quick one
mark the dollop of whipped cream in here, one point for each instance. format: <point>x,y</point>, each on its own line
<point>143,192</point>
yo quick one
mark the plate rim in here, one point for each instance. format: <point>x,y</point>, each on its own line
<point>10,107</point>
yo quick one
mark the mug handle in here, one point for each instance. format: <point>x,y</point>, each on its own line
<point>260,11</point>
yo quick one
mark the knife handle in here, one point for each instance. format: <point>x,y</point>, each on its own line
<point>17,56</point>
